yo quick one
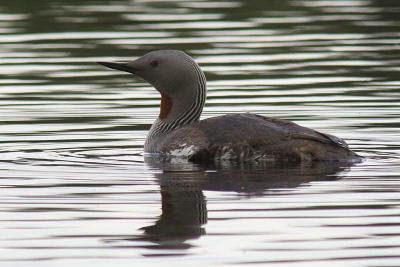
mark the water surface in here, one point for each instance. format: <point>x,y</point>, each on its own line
<point>76,190</point>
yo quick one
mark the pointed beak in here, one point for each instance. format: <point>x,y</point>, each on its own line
<point>120,65</point>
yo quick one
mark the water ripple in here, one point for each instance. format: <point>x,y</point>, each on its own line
<point>77,189</point>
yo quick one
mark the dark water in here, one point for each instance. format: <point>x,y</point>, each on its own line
<point>75,190</point>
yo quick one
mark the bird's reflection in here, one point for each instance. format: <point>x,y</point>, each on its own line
<point>184,206</point>
<point>184,211</point>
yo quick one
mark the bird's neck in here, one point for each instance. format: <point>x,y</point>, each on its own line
<point>178,111</point>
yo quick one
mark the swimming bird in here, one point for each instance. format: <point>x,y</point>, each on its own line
<point>179,132</point>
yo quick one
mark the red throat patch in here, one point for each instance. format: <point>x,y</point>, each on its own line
<point>165,106</point>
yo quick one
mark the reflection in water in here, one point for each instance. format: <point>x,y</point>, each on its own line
<point>184,206</point>
<point>184,211</point>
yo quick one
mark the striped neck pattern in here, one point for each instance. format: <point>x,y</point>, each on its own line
<point>162,127</point>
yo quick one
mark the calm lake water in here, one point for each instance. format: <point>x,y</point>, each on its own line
<point>76,191</point>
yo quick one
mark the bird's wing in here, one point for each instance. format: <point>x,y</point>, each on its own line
<point>296,131</point>
<point>236,127</point>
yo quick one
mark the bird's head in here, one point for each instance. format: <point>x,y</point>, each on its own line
<point>169,71</point>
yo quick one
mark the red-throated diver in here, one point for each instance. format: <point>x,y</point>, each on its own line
<point>179,132</point>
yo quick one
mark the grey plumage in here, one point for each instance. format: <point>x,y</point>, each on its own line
<point>178,131</point>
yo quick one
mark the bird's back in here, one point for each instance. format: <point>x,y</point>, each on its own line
<point>253,137</point>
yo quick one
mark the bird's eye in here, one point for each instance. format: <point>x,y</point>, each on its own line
<point>154,63</point>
